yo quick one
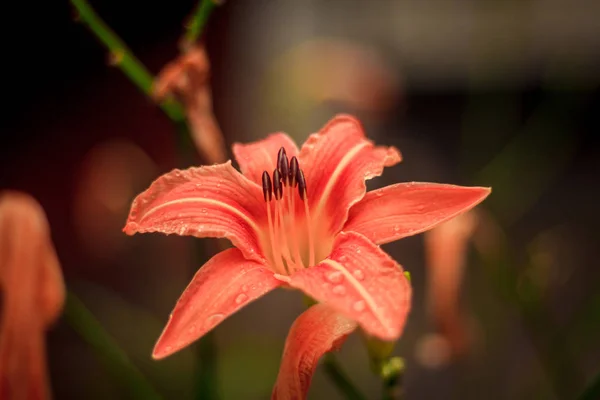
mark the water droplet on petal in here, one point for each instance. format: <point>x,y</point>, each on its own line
<point>359,306</point>
<point>242,297</point>
<point>396,228</point>
<point>245,288</point>
<point>192,328</point>
<point>358,274</point>
<point>420,207</point>
<point>204,210</point>
<point>168,348</point>
<point>213,320</point>
<point>339,290</point>
<point>335,277</point>
<point>357,251</point>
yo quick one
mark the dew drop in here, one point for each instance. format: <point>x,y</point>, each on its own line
<point>213,320</point>
<point>420,207</point>
<point>168,348</point>
<point>335,277</point>
<point>242,297</point>
<point>357,251</point>
<point>245,288</point>
<point>204,210</point>
<point>396,228</point>
<point>198,185</point>
<point>358,274</point>
<point>359,306</point>
<point>192,328</point>
<point>339,290</point>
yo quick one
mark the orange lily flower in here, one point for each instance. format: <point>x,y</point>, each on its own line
<point>310,225</point>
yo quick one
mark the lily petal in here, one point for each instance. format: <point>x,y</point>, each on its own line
<point>362,282</point>
<point>256,157</point>
<point>226,283</point>
<point>209,201</point>
<point>405,209</point>
<point>337,161</point>
<point>317,331</point>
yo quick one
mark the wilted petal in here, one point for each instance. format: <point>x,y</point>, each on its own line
<point>317,331</point>
<point>405,209</point>
<point>254,158</point>
<point>188,78</point>
<point>226,283</point>
<point>362,282</point>
<point>32,296</point>
<point>336,163</point>
<point>209,201</point>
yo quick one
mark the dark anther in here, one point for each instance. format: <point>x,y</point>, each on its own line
<point>294,168</point>
<point>283,166</point>
<point>277,188</point>
<point>267,187</point>
<point>301,184</point>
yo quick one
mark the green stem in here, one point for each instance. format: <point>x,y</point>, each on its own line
<point>339,378</point>
<point>123,57</point>
<point>107,350</point>
<point>198,22</point>
<point>206,387</point>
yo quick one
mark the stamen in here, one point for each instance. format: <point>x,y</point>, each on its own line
<point>283,166</point>
<point>267,192</point>
<point>267,187</point>
<point>301,184</point>
<point>304,197</point>
<point>280,227</point>
<point>277,189</point>
<point>294,167</point>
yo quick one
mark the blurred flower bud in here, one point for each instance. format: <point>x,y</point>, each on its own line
<point>33,295</point>
<point>446,249</point>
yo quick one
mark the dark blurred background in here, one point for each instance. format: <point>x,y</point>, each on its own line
<point>492,93</point>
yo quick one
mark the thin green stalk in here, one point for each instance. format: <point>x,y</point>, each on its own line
<point>340,379</point>
<point>108,351</point>
<point>123,57</point>
<point>198,21</point>
<point>206,383</point>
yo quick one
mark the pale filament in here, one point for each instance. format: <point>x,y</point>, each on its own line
<point>274,245</point>
<point>283,236</point>
<point>292,207</point>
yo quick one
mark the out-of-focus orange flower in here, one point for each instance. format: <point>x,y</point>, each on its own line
<point>329,69</point>
<point>188,79</point>
<point>446,247</point>
<point>33,295</point>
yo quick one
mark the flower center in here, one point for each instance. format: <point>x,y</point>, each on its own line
<point>280,195</point>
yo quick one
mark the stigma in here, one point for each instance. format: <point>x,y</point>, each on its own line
<point>281,190</point>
